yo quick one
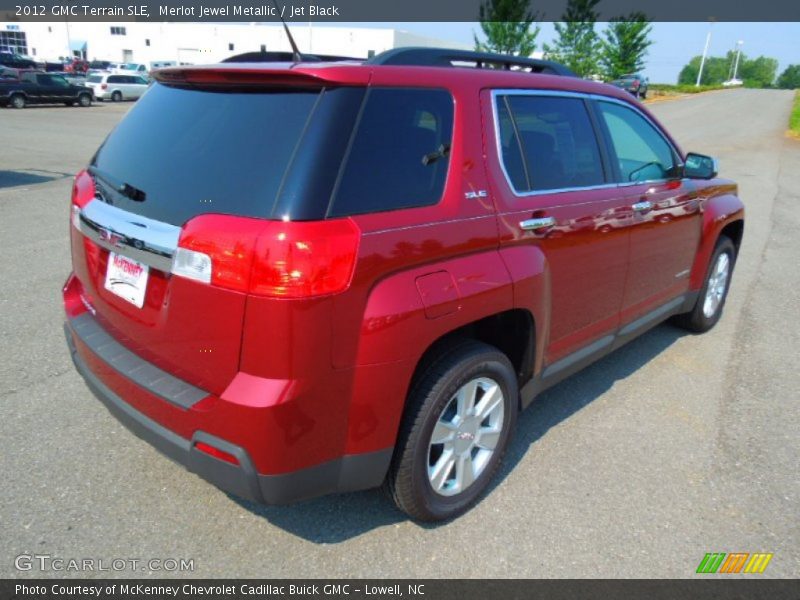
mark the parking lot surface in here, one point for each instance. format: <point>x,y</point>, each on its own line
<point>674,446</point>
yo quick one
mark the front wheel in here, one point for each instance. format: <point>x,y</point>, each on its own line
<point>458,423</point>
<point>711,300</point>
<point>85,100</point>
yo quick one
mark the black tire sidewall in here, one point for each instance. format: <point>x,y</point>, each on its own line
<point>116,97</point>
<point>492,366</point>
<point>15,98</point>
<point>84,103</point>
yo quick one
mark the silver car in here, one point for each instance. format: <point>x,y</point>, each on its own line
<point>115,87</point>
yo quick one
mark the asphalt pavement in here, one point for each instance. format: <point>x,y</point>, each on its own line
<point>674,446</point>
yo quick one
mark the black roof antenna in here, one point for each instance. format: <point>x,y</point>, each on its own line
<point>296,56</point>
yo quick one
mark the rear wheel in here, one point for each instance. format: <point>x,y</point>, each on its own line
<point>85,100</point>
<point>116,97</point>
<point>711,300</point>
<point>458,422</point>
<point>18,101</point>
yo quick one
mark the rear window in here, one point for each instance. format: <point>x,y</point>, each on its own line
<point>185,151</point>
<point>399,154</point>
<point>299,154</point>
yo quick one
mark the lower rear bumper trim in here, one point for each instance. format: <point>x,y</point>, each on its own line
<point>346,474</point>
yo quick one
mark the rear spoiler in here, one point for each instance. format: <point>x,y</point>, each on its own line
<point>246,75</point>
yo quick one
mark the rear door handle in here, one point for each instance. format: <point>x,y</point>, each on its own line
<point>534,224</point>
<point>642,206</point>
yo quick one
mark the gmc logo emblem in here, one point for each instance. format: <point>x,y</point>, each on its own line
<point>110,237</point>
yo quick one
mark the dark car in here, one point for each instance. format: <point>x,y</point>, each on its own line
<point>371,295</point>
<point>635,83</point>
<point>16,61</point>
<point>35,87</point>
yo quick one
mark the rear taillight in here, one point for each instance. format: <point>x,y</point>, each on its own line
<point>269,258</point>
<point>636,82</point>
<point>83,190</point>
<point>103,86</point>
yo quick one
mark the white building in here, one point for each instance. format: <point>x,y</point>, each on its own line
<point>196,43</point>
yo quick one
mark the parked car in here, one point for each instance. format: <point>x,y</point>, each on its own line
<point>131,69</point>
<point>100,65</point>
<point>635,83</point>
<point>335,277</point>
<point>34,87</point>
<point>16,61</point>
<point>109,86</point>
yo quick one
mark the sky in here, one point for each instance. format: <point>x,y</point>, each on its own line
<point>674,43</point>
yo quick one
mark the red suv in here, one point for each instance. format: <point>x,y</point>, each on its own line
<point>298,279</point>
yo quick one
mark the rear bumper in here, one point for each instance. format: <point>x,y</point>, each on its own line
<point>344,474</point>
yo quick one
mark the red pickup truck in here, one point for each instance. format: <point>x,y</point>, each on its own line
<point>305,278</point>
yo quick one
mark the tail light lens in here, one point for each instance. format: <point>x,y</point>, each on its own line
<point>103,86</point>
<point>83,192</point>
<point>636,82</point>
<point>269,258</point>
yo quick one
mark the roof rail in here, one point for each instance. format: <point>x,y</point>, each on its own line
<point>445,57</point>
<point>259,57</point>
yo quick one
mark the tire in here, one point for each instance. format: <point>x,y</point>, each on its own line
<point>85,100</point>
<point>17,101</point>
<point>643,95</point>
<point>116,97</point>
<point>434,481</point>
<point>711,300</point>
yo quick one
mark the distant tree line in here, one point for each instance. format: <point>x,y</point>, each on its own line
<point>511,28</point>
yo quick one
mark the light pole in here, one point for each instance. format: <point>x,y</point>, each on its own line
<point>703,60</point>
<point>738,54</point>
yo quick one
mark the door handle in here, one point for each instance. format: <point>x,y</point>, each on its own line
<point>534,224</point>
<point>642,206</point>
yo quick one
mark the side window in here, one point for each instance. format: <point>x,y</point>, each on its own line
<point>114,79</point>
<point>510,150</point>
<point>642,152</point>
<point>399,154</point>
<point>140,81</point>
<point>557,141</point>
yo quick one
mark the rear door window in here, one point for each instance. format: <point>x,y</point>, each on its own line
<point>556,139</point>
<point>399,154</point>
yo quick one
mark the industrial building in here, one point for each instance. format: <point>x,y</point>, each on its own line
<point>195,43</point>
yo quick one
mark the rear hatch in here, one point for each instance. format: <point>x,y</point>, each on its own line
<point>168,217</point>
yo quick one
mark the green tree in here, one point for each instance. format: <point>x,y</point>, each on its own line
<point>715,71</point>
<point>758,72</point>
<point>577,45</point>
<point>625,45</point>
<point>790,78</point>
<point>508,26</point>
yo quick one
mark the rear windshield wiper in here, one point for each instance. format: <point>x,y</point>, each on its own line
<point>121,187</point>
<point>441,152</point>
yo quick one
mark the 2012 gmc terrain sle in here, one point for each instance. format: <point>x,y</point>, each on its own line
<point>314,277</point>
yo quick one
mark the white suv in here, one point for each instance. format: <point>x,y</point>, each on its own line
<point>112,86</point>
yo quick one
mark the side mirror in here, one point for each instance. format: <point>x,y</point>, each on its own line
<point>700,166</point>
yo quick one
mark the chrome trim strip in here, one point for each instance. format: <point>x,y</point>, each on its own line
<point>139,238</point>
<point>596,97</point>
